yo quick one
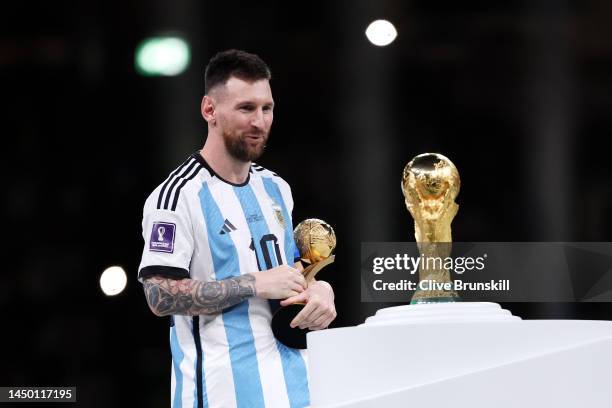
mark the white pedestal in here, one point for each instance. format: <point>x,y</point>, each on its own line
<point>463,355</point>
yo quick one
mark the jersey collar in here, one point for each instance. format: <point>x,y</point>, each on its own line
<point>204,163</point>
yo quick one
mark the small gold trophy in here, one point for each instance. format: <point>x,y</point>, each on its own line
<point>316,241</point>
<point>430,184</point>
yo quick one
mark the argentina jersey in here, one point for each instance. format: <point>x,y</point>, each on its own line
<point>197,225</point>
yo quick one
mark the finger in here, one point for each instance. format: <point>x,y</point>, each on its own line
<point>297,287</point>
<point>315,309</point>
<point>327,323</point>
<point>317,317</point>
<point>292,293</point>
<point>319,323</point>
<point>302,318</point>
<point>333,317</point>
<point>325,318</point>
<point>298,297</point>
<point>299,279</point>
<point>294,272</point>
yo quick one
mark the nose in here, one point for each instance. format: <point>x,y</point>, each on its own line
<point>257,120</point>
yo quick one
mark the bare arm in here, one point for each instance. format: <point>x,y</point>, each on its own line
<point>192,297</point>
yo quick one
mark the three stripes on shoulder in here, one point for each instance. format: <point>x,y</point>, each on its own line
<point>257,167</point>
<point>169,194</point>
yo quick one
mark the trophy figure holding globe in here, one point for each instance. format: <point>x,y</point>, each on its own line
<point>430,184</point>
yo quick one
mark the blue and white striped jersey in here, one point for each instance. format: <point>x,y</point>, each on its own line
<point>198,225</point>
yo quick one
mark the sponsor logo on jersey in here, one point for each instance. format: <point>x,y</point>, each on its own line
<point>162,237</point>
<point>227,227</point>
<point>251,218</point>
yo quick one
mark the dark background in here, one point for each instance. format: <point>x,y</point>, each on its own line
<point>517,94</point>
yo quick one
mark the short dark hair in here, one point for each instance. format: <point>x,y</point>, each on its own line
<point>237,63</point>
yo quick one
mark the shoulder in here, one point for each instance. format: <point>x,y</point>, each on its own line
<point>270,175</point>
<point>180,182</point>
<point>275,185</point>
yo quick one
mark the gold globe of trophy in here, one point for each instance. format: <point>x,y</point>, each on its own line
<point>430,184</point>
<point>316,241</point>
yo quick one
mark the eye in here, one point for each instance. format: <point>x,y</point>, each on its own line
<point>246,108</point>
<point>267,108</point>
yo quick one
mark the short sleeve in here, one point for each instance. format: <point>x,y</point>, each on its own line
<point>168,240</point>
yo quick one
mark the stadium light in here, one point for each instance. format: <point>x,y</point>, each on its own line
<point>162,56</point>
<point>381,33</point>
<point>113,280</point>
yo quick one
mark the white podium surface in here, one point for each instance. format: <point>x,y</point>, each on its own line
<point>463,355</point>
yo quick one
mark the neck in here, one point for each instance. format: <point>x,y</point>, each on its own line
<point>226,166</point>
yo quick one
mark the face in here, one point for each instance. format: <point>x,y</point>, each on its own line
<point>243,114</point>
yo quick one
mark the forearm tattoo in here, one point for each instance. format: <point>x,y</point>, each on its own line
<point>192,297</point>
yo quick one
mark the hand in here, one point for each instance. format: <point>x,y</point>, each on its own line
<point>279,283</point>
<point>319,311</point>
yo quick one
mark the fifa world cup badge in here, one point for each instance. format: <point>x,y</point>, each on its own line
<point>278,214</point>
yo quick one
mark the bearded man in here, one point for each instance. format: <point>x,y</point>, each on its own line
<point>219,250</point>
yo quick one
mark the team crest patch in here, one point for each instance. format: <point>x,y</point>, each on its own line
<point>162,237</point>
<point>278,214</point>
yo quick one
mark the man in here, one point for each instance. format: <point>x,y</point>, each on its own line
<point>219,244</point>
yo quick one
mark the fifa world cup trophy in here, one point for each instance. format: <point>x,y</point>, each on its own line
<point>430,184</point>
<point>316,241</point>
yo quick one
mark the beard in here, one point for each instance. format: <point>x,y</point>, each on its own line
<point>241,149</point>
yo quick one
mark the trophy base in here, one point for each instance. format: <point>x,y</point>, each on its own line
<point>290,337</point>
<point>435,300</point>
<point>437,312</point>
<point>465,354</point>
<point>434,296</point>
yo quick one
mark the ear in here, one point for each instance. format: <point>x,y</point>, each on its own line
<point>207,109</point>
